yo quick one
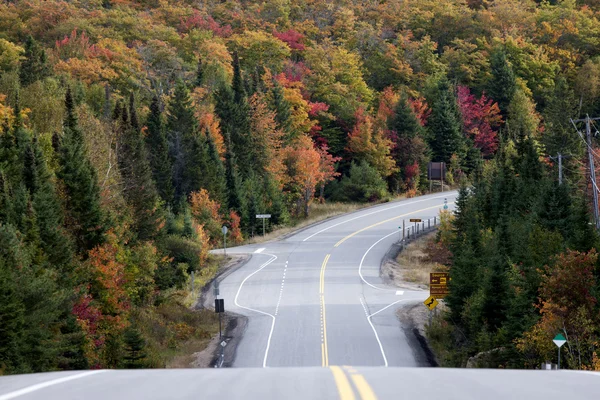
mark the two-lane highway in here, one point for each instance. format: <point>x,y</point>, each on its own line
<point>316,298</point>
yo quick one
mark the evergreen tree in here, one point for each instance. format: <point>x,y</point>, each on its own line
<point>559,135</point>
<point>239,90</point>
<point>234,112</point>
<point>139,190</point>
<point>182,128</point>
<point>215,176</point>
<point>445,138</point>
<point>283,111</point>
<point>35,64</point>
<point>234,201</point>
<point>134,348</point>
<point>85,217</point>
<point>199,74</point>
<point>502,85</point>
<point>12,318</point>
<point>46,203</point>
<point>158,153</point>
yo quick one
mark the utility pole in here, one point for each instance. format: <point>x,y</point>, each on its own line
<point>588,135</point>
<point>592,167</point>
<point>559,157</point>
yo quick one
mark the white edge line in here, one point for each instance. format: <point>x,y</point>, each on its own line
<point>365,255</point>
<point>385,361</point>
<point>273,258</point>
<point>363,259</point>
<point>258,251</point>
<point>373,212</point>
<point>43,385</point>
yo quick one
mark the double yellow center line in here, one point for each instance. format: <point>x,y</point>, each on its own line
<point>324,351</point>
<point>383,222</point>
<point>345,388</point>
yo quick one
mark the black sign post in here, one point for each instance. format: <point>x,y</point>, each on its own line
<point>219,309</point>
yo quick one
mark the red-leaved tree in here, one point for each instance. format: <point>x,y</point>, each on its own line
<point>481,116</point>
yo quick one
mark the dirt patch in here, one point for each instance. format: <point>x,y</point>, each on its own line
<point>413,264</point>
<point>216,356</point>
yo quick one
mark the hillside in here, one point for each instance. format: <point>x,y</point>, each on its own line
<point>133,130</point>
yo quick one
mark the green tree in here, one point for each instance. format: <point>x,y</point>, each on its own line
<point>134,349</point>
<point>55,241</point>
<point>559,135</point>
<point>234,200</point>
<point>445,137</point>
<point>85,218</point>
<point>35,64</point>
<point>282,109</point>
<point>138,187</point>
<point>502,85</point>
<point>158,153</point>
<point>182,128</point>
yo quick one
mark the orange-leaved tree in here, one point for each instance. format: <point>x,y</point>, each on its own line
<point>567,306</point>
<point>302,165</point>
<point>369,144</point>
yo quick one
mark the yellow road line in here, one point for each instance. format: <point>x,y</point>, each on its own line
<point>364,389</point>
<point>342,383</point>
<point>324,350</point>
<point>383,222</point>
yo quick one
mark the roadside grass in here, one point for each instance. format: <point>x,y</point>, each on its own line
<point>174,330</point>
<point>415,262</point>
<point>318,212</point>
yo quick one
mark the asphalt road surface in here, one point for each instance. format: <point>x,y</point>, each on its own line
<point>316,300</point>
<point>344,383</point>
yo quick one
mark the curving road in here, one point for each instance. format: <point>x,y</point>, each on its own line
<point>316,298</point>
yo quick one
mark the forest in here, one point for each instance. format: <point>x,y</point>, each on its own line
<point>132,130</point>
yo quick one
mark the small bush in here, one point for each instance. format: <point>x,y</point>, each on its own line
<point>363,184</point>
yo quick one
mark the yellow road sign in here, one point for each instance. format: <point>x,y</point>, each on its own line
<point>431,303</point>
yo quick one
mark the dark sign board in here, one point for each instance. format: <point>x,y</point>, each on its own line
<point>438,284</point>
<point>436,171</point>
<point>415,220</point>
<point>219,305</point>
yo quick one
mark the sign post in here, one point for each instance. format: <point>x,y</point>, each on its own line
<point>263,217</point>
<point>415,221</point>
<point>224,230</point>
<point>559,340</point>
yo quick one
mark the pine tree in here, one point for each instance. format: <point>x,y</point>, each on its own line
<point>35,64</point>
<point>199,74</point>
<point>234,201</point>
<point>182,128</point>
<point>46,203</point>
<point>215,174</point>
<point>134,348</point>
<point>234,112</point>
<point>239,90</point>
<point>283,111</point>
<point>404,122</point>
<point>502,85</point>
<point>559,135</point>
<point>85,216</point>
<point>12,316</point>
<point>158,153</point>
<point>139,190</point>
<point>445,138</point>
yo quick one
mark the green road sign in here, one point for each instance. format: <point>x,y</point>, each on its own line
<point>559,340</point>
